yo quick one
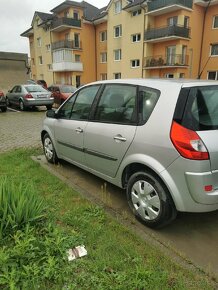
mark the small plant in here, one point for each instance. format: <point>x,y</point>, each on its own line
<point>19,205</point>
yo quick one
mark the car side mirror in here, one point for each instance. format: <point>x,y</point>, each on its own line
<point>51,114</point>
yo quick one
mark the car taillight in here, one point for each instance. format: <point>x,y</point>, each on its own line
<point>188,143</point>
<point>28,96</point>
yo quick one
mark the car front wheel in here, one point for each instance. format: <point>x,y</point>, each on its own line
<point>150,200</point>
<point>49,149</point>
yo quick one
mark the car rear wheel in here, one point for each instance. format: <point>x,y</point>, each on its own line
<point>4,109</point>
<point>49,149</point>
<point>49,107</point>
<point>21,105</point>
<point>150,200</point>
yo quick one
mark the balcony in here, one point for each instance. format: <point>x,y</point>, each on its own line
<point>159,7</point>
<point>166,33</point>
<point>71,44</point>
<point>60,24</point>
<point>205,3</point>
<point>160,61</point>
<point>67,66</point>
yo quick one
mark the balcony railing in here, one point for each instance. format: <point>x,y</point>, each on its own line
<point>71,44</point>
<point>158,4</point>
<point>168,31</point>
<point>166,61</point>
<point>64,21</point>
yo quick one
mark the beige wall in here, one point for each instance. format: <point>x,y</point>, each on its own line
<point>41,70</point>
<point>13,70</point>
<point>101,47</point>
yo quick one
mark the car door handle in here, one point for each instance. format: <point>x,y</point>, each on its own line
<point>79,130</point>
<point>119,138</point>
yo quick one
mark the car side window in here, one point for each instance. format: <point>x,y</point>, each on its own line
<point>83,103</point>
<point>18,90</point>
<point>14,89</point>
<point>78,106</point>
<point>117,104</point>
<point>148,98</point>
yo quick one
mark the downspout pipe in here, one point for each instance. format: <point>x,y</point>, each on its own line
<point>202,41</point>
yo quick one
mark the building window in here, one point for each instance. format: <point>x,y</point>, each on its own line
<point>117,6</point>
<point>40,60</point>
<point>215,22</point>
<point>212,75</point>
<point>181,75</point>
<point>117,54</point>
<point>103,57</point>
<point>136,37</point>
<point>77,58</point>
<point>169,76</point>
<point>136,12</point>
<point>172,21</point>
<point>78,81</point>
<point>76,14</point>
<point>103,36</point>
<point>214,49</point>
<point>39,41</point>
<point>135,63</point>
<point>66,13</point>
<point>48,47</point>
<point>186,21</point>
<point>49,67</point>
<point>117,76</point>
<point>103,77</point>
<point>118,31</point>
<point>33,61</point>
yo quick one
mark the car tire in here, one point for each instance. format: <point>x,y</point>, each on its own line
<point>49,149</point>
<point>49,107</point>
<point>8,102</point>
<point>149,200</point>
<point>4,109</point>
<point>22,106</point>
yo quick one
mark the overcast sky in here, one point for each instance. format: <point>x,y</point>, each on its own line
<point>16,17</point>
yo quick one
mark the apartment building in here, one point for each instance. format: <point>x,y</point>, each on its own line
<point>77,43</point>
<point>62,45</point>
<point>208,64</point>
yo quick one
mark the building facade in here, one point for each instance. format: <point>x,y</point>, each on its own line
<point>78,43</point>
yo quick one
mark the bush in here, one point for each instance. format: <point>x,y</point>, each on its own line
<point>19,205</point>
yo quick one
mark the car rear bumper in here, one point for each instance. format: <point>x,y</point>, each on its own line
<point>203,187</point>
<point>39,102</point>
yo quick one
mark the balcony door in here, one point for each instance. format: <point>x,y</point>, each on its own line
<point>76,40</point>
<point>171,55</point>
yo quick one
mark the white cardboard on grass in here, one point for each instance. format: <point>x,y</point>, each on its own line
<point>77,252</point>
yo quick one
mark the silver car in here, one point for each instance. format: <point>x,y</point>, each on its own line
<point>29,95</point>
<point>158,139</point>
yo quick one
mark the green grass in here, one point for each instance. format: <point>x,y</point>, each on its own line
<point>35,258</point>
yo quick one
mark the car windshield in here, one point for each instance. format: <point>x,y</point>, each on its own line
<point>202,109</point>
<point>67,89</point>
<point>35,88</point>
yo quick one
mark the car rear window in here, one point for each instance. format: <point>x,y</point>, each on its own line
<point>201,109</point>
<point>35,88</point>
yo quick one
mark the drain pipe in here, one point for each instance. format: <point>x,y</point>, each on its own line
<point>202,40</point>
<point>143,48</point>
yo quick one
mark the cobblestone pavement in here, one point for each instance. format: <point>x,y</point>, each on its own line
<point>20,129</point>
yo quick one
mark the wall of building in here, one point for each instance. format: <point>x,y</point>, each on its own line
<point>13,69</point>
<point>101,47</point>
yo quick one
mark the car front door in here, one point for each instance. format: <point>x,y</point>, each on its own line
<point>71,123</point>
<point>112,130</point>
<point>11,95</point>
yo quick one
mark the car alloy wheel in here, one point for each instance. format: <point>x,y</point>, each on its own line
<point>150,200</point>
<point>49,149</point>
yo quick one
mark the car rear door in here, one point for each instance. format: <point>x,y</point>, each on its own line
<point>112,130</point>
<point>71,124</point>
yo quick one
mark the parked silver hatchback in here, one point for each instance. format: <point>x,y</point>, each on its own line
<point>158,139</point>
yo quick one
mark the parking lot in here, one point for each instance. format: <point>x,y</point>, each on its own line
<point>20,129</point>
<point>193,237</point>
